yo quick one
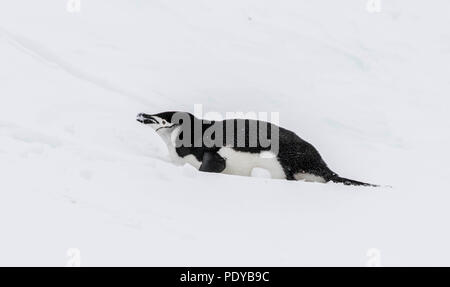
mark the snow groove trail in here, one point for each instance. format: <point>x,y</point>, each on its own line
<point>25,139</point>
<point>47,57</point>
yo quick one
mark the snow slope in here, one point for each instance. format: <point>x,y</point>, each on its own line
<point>369,90</point>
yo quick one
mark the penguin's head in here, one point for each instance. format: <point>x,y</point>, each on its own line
<point>160,122</point>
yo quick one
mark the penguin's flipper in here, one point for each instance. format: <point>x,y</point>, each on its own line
<point>212,162</point>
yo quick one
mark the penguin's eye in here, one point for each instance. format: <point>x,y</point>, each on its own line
<point>164,122</point>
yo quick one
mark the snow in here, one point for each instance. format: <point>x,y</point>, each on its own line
<point>368,90</point>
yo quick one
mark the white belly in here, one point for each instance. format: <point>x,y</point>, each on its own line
<point>309,177</point>
<point>242,163</point>
<point>192,160</point>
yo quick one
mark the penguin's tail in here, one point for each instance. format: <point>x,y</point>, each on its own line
<point>346,181</point>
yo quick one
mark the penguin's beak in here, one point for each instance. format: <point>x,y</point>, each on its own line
<point>146,119</point>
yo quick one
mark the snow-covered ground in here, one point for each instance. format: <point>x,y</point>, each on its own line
<point>369,90</point>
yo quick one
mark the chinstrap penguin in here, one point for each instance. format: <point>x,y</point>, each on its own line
<point>235,152</point>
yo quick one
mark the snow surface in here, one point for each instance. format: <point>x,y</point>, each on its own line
<point>368,90</point>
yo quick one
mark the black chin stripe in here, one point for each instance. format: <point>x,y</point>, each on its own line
<point>165,127</point>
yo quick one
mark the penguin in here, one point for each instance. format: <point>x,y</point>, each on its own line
<point>231,148</point>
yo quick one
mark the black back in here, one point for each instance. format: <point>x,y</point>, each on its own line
<point>294,154</point>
